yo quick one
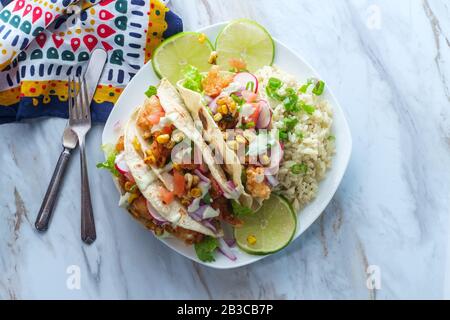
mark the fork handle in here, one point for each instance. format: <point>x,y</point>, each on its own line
<point>48,204</point>
<point>88,233</point>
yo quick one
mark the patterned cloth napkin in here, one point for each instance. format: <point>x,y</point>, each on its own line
<point>44,41</point>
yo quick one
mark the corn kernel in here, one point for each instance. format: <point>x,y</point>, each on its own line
<point>137,144</point>
<point>163,139</point>
<point>195,180</point>
<point>265,160</point>
<point>240,139</point>
<point>217,117</point>
<point>132,197</point>
<point>196,192</point>
<point>223,109</point>
<point>232,107</point>
<point>202,38</point>
<point>251,240</point>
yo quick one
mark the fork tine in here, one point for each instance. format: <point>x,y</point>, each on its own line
<point>87,107</point>
<point>81,107</point>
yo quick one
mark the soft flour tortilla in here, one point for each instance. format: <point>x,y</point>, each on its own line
<point>174,107</point>
<point>149,185</point>
<point>213,134</point>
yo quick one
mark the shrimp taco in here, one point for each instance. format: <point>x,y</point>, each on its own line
<point>237,120</point>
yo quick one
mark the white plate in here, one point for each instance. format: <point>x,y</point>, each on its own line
<point>133,96</point>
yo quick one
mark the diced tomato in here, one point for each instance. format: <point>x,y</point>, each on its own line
<point>165,195</point>
<point>178,182</point>
<point>255,115</point>
<point>167,130</point>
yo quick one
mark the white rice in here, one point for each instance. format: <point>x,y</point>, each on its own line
<point>315,149</point>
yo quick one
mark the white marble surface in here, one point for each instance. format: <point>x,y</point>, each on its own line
<point>388,63</point>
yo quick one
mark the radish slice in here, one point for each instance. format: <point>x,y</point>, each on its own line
<point>226,250</point>
<point>265,115</point>
<point>121,165</point>
<point>244,78</point>
<point>154,214</point>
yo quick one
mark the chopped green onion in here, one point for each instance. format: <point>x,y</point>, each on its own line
<point>274,83</point>
<point>151,91</point>
<point>299,168</point>
<point>250,125</point>
<point>319,88</point>
<point>307,108</point>
<point>239,100</point>
<point>290,123</point>
<point>283,135</point>
<point>305,87</point>
<point>207,199</point>
<point>300,135</point>
<point>290,101</point>
<point>250,86</point>
<point>331,138</point>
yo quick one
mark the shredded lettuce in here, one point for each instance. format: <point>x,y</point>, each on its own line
<point>205,249</point>
<point>109,164</point>
<point>193,79</point>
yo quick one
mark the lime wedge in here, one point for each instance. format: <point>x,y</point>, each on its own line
<point>174,54</point>
<point>246,40</point>
<point>268,230</point>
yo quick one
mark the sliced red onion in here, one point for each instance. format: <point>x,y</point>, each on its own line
<point>243,78</point>
<point>154,214</point>
<point>121,164</point>
<point>265,115</point>
<point>201,176</point>
<point>272,180</point>
<point>209,225</point>
<point>194,206</point>
<point>230,242</point>
<point>197,215</point>
<point>226,250</point>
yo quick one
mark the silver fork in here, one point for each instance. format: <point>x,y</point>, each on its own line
<point>80,123</point>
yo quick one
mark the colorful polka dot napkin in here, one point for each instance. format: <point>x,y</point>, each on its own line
<point>44,41</point>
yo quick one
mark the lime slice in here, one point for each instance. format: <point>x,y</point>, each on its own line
<point>246,40</point>
<point>268,230</point>
<point>174,54</point>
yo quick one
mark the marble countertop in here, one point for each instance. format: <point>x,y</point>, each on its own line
<point>387,226</point>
